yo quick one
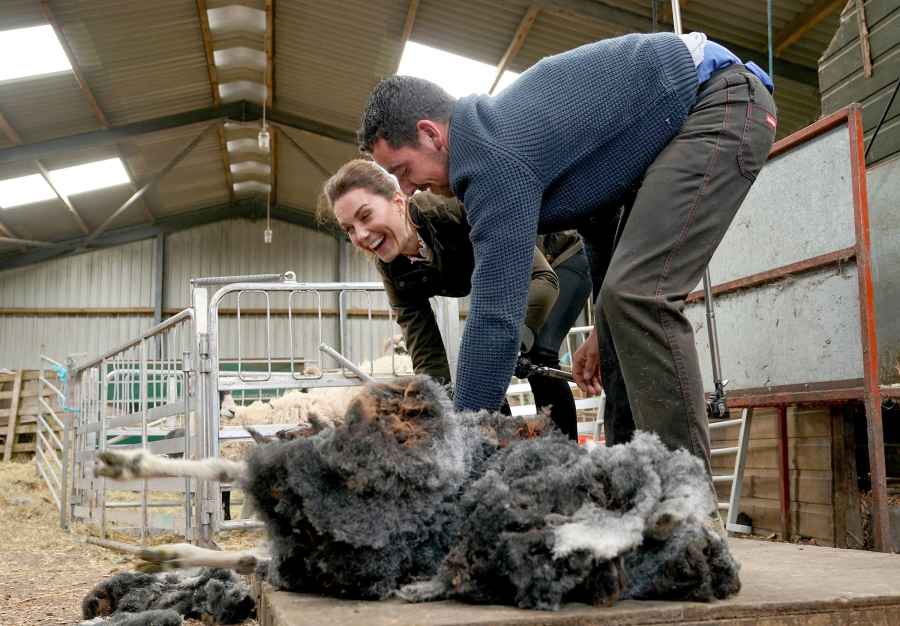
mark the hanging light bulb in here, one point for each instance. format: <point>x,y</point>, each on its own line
<point>267,233</point>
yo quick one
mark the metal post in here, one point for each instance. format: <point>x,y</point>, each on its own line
<point>144,382</point>
<point>102,408</point>
<point>343,273</point>
<point>676,17</point>
<point>186,391</point>
<point>717,407</point>
<point>160,278</point>
<point>447,310</point>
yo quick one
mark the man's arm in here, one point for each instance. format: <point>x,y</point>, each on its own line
<point>502,199</point>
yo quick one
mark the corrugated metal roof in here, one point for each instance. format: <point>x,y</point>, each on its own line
<point>301,181</point>
<point>21,14</point>
<point>328,55</point>
<point>44,107</point>
<point>198,181</point>
<point>141,59</point>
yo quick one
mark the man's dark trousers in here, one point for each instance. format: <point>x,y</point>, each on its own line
<point>679,214</point>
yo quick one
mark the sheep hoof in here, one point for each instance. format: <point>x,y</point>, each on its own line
<point>119,465</point>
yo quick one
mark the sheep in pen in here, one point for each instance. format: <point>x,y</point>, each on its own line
<point>407,498</point>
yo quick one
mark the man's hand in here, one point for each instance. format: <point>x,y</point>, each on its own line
<point>586,366</point>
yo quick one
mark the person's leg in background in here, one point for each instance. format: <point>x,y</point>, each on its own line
<point>574,289</point>
<point>600,235</point>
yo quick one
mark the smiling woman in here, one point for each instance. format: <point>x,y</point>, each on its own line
<point>420,245</point>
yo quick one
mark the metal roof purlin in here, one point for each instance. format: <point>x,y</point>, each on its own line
<point>241,111</point>
<point>249,209</point>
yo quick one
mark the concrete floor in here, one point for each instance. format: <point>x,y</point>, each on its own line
<point>783,585</point>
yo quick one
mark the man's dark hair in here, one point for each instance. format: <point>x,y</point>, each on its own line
<point>395,106</point>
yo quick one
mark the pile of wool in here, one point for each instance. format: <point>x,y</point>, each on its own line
<point>406,496</point>
<point>137,599</point>
<point>550,522</point>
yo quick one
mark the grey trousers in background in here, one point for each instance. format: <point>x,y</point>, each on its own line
<point>679,214</point>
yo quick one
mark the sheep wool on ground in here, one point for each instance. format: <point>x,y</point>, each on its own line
<point>138,599</point>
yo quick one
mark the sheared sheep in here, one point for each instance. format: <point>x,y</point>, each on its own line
<point>136,599</point>
<point>408,498</point>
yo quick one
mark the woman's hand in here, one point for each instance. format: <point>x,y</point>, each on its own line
<point>586,366</point>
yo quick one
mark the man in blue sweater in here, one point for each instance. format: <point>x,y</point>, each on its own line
<point>675,128</point>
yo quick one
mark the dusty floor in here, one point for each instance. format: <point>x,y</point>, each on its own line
<point>45,571</point>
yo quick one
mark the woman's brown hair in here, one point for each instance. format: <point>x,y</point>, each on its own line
<point>355,174</point>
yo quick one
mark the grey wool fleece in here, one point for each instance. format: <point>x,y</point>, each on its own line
<point>565,141</point>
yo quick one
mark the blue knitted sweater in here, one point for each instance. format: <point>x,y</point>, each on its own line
<point>567,139</point>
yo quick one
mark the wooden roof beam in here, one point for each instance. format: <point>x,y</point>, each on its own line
<point>82,83</point>
<point>803,23</point>
<point>270,52</point>
<point>213,74</point>
<point>515,45</point>
<point>203,17</point>
<point>408,25</point>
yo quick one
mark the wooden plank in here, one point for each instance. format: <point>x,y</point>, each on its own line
<point>863,30</point>
<point>408,23</point>
<point>515,45</point>
<point>211,72</point>
<point>12,415</point>
<point>807,486</point>
<point>784,499</point>
<point>270,52</point>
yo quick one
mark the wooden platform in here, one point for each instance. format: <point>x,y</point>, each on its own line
<point>783,585</point>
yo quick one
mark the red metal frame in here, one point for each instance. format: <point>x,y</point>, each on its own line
<point>868,390</point>
<point>769,276</point>
<point>872,391</point>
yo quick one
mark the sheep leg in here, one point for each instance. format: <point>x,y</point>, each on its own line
<point>184,555</point>
<point>137,464</point>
